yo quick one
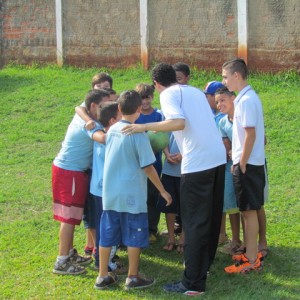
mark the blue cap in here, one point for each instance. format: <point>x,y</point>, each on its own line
<point>212,87</point>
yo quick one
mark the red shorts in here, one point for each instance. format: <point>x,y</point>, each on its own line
<point>69,189</point>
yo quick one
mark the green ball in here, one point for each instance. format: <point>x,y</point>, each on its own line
<point>158,140</point>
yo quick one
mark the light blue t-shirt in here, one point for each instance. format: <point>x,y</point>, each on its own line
<point>124,181</point>
<point>172,169</point>
<point>225,127</point>
<point>96,185</point>
<point>77,148</point>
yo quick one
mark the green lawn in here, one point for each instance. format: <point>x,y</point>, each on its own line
<point>37,104</point>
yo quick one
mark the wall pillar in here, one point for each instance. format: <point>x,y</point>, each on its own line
<point>144,33</point>
<point>242,6</point>
<point>59,32</point>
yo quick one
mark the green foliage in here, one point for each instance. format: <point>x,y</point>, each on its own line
<point>37,104</point>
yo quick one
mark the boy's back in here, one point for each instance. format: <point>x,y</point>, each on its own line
<point>125,182</point>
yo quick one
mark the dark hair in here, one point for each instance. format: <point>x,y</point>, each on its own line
<point>108,110</point>
<point>111,91</point>
<point>95,96</point>
<point>182,67</point>
<point>102,77</point>
<point>164,74</point>
<point>145,90</point>
<point>129,102</point>
<point>237,65</point>
<point>224,90</point>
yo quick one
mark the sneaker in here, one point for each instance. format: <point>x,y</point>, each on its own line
<point>68,268</point>
<point>138,282</point>
<point>152,238</point>
<point>242,257</point>
<point>78,259</point>
<point>104,282</point>
<point>244,266</point>
<point>178,287</point>
<point>88,250</point>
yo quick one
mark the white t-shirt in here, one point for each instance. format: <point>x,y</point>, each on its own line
<point>199,142</point>
<point>248,113</point>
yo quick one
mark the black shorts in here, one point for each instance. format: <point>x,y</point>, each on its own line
<point>249,187</point>
<point>172,186</point>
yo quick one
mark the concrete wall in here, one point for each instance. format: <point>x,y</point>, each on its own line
<point>202,33</point>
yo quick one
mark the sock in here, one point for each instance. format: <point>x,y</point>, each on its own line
<point>61,259</point>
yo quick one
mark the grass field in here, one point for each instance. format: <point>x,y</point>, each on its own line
<point>37,104</point>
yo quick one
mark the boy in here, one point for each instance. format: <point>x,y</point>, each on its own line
<point>182,72</point>
<point>102,80</point>
<point>109,115</point>
<point>248,157</point>
<point>70,184</point>
<point>209,91</point>
<point>224,101</point>
<point>128,163</point>
<point>189,116</point>
<point>171,180</point>
<point>99,82</point>
<point>151,114</point>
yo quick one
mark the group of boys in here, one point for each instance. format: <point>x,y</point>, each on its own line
<point>129,161</point>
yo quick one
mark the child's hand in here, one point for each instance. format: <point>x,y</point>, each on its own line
<point>90,124</point>
<point>177,157</point>
<point>170,159</point>
<point>167,197</point>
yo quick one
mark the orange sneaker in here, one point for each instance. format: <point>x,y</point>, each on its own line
<point>242,257</point>
<point>244,266</point>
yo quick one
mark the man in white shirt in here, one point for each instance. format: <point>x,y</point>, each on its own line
<point>189,116</point>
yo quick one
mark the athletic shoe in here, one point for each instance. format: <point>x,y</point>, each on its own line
<point>88,250</point>
<point>78,259</point>
<point>138,282</point>
<point>244,266</point>
<point>178,287</point>
<point>241,257</point>
<point>68,268</point>
<point>105,282</point>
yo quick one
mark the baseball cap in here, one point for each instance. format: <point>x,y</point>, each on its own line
<point>212,87</point>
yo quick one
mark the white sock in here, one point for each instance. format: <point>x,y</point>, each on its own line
<point>61,259</point>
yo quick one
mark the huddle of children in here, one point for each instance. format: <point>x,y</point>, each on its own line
<point>102,130</point>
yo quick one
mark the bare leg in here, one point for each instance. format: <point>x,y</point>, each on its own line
<point>170,219</point>
<point>235,226</point>
<point>91,237</point>
<point>66,234</point>
<point>251,233</point>
<point>223,225</point>
<point>262,239</point>
<point>104,253</point>
<point>134,259</point>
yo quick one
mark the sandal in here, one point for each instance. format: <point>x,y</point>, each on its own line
<point>169,247</point>
<point>240,250</point>
<point>179,248</point>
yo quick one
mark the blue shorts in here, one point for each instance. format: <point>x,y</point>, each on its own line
<point>128,229</point>
<point>230,204</point>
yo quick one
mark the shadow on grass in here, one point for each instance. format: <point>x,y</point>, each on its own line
<point>9,84</point>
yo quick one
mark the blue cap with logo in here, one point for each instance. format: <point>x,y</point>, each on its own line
<point>212,87</point>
